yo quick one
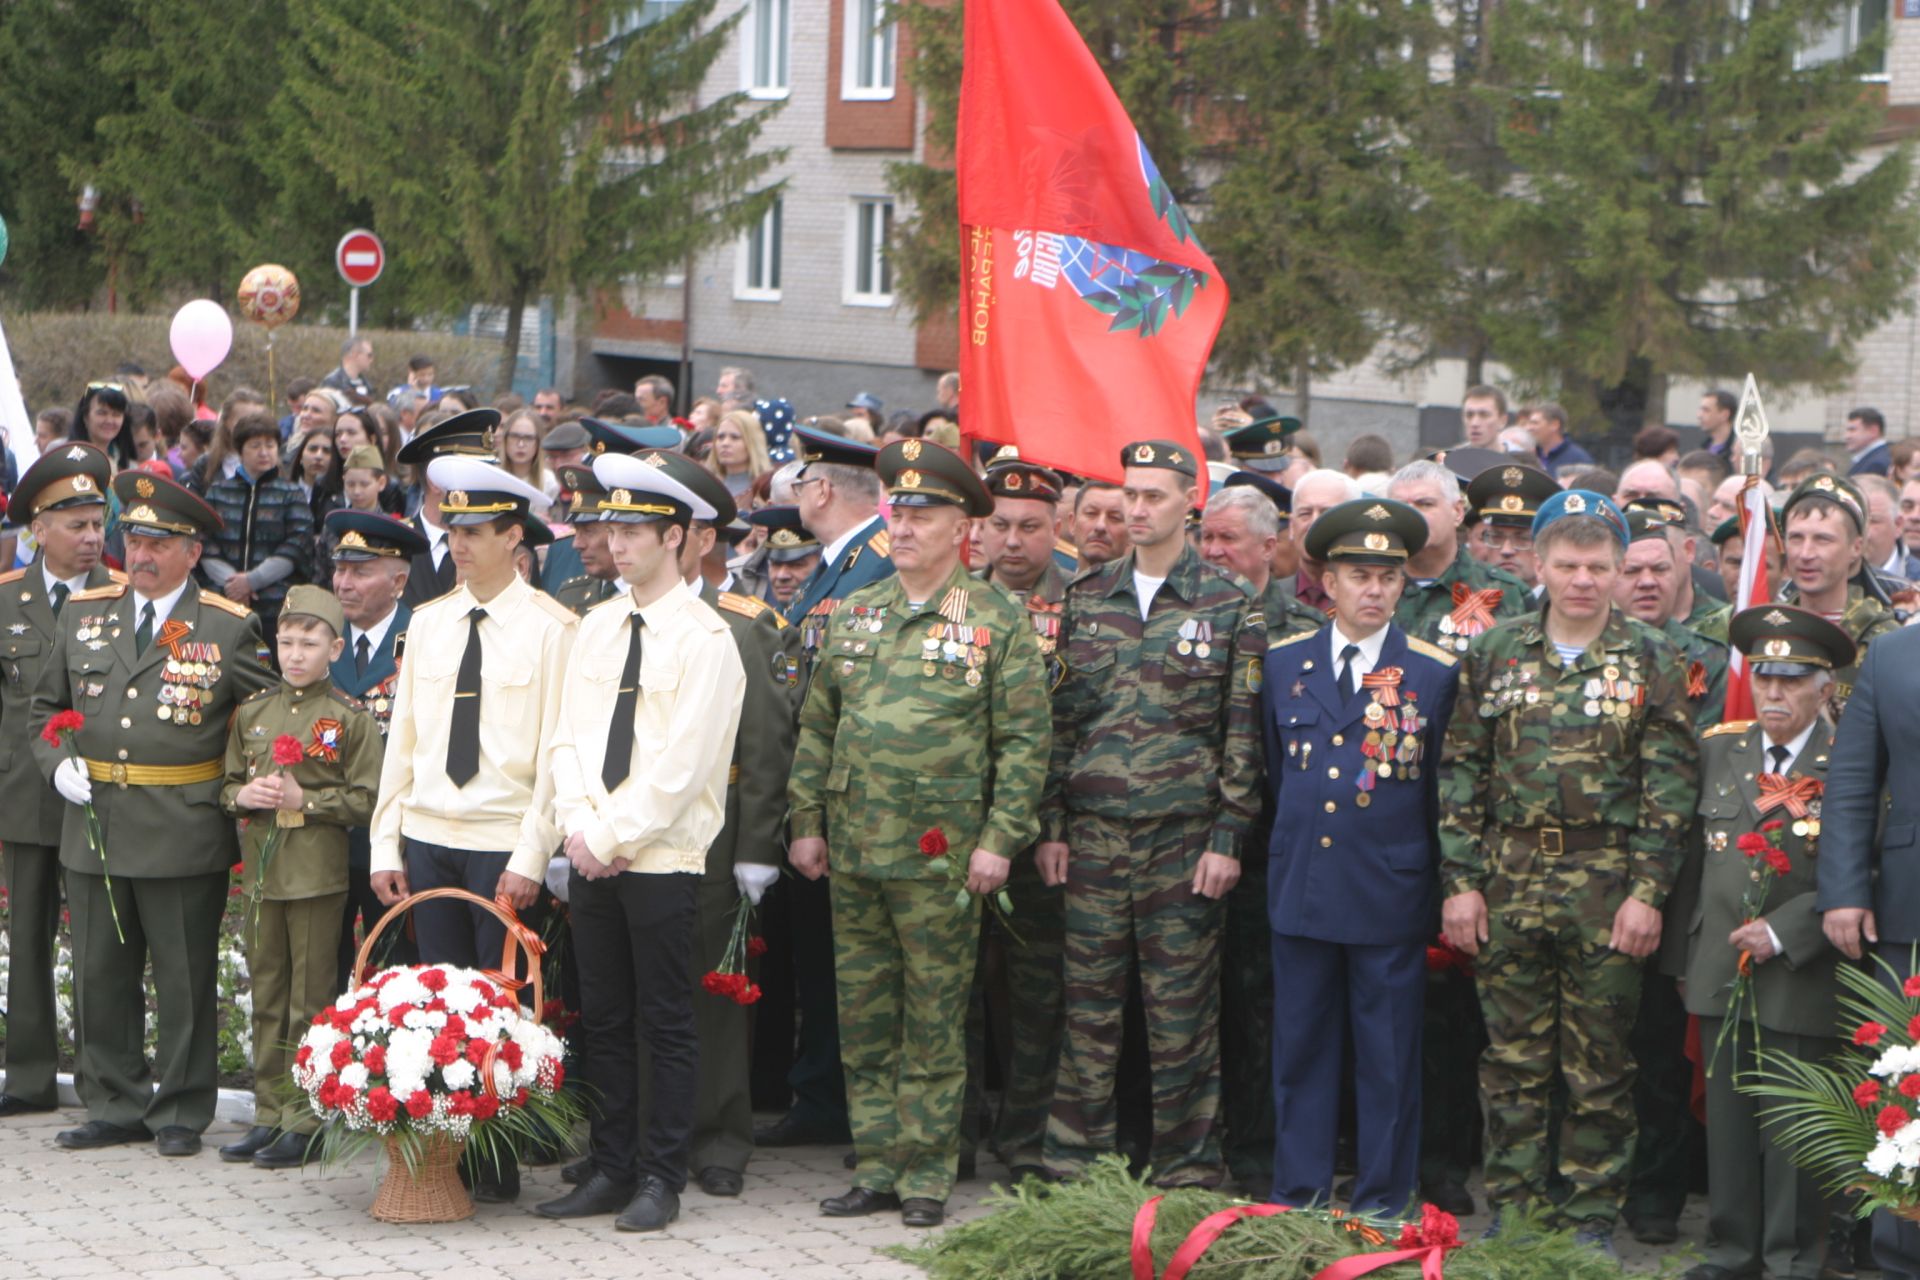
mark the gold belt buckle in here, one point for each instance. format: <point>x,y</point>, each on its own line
<point>117,772</point>
<point>1552,841</point>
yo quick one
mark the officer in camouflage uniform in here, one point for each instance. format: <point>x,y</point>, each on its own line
<point>1450,598</point>
<point>1649,584</point>
<point>156,666</point>
<point>925,728</point>
<point>63,499</point>
<point>600,577</point>
<point>1825,518</point>
<point>1154,782</point>
<point>1569,773</point>
<point>1025,947</point>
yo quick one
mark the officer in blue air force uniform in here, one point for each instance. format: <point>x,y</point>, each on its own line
<point>1354,715</point>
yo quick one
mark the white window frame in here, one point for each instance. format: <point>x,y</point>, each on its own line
<point>780,17</point>
<point>1851,42</point>
<point>882,38</point>
<point>772,226</point>
<point>851,293</point>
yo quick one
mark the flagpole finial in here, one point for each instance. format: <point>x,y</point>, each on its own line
<point>1750,425</point>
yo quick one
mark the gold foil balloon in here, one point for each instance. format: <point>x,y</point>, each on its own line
<point>269,295</point>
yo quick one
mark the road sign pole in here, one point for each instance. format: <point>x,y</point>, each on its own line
<point>353,312</point>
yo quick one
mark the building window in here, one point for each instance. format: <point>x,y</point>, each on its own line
<point>763,53</point>
<point>868,51</point>
<point>1861,22</point>
<point>757,273</point>
<point>869,272</point>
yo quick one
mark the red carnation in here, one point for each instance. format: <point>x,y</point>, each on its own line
<point>559,1075</point>
<point>756,947</point>
<point>460,1102</point>
<point>1891,1120</point>
<point>1778,860</point>
<point>1868,1033</point>
<point>287,751</point>
<point>510,1054</point>
<point>60,724</point>
<point>419,1104</point>
<point>934,843</point>
<point>376,1060</point>
<point>749,994</point>
<point>714,983</point>
<point>1910,1087</point>
<point>381,1104</point>
<point>444,1050</point>
<point>477,1050</point>
<point>342,1054</point>
<point>1913,1028</point>
<point>1866,1094</point>
<point>521,1095</point>
<point>485,1107</point>
<point>237,869</point>
<point>1911,987</point>
<point>347,1097</point>
<point>1753,844</point>
<point>301,1058</point>
<point>398,1015</point>
<point>1774,825</point>
<point>434,979</point>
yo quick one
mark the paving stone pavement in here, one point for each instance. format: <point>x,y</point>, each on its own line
<point>128,1212</point>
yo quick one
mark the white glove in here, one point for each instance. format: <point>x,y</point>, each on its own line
<point>71,781</point>
<point>754,879</point>
<point>558,869</point>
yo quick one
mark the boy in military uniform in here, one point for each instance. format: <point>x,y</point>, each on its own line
<point>1566,782</point>
<point>294,929</point>
<point>1760,778</point>
<point>63,499</point>
<point>156,667</point>
<point>926,719</point>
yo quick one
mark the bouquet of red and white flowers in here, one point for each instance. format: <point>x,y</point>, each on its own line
<point>425,1051</point>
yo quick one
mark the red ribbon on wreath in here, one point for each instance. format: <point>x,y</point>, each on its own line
<point>1437,1233</point>
<point>1473,610</point>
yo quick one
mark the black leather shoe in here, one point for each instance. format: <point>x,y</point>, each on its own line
<point>788,1132</point>
<point>654,1205</point>
<point>1448,1195</point>
<point>176,1140</point>
<point>1020,1173</point>
<point>12,1106</point>
<point>576,1173</point>
<point>98,1133</point>
<point>918,1211</point>
<point>1655,1228</point>
<point>598,1194</point>
<point>858,1203</point>
<point>256,1138</point>
<point>716,1181</point>
<point>491,1185</point>
<point>288,1151</point>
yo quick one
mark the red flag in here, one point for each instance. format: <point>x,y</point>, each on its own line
<point>1088,309</point>
<point>1754,589</point>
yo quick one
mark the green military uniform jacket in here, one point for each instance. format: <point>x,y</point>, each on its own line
<point>921,721</point>
<point>1709,617</point>
<point>1159,718</point>
<point>1865,619</point>
<point>1429,613</point>
<point>1042,604</point>
<point>147,711</point>
<point>583,592</point>
<point>1282,612</point>
<point>1706,672</point>
<point>1601,750</point>
<point>339,776</point>
<point>1798,990</point>
<point>763,747</point>
<point>31,812</point>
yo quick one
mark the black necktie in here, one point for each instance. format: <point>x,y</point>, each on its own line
<point>362,654</point>
<point>143,634</point>
<point>59,597</point>
<point>1350,671</point>
<point>463,747</point>
<point>1779,754</point>
<point>618,762</point>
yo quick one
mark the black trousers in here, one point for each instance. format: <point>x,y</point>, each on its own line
<point>456,933</point>
<point>633,937</point>
<point>363,911</point>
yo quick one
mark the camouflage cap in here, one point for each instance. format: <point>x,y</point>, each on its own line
<point>1262,445</point>
<point>1162,454</point>
<point>1582,502</point>
<point>919,473</point>
<point>1509,494</point>
<point>304,600</point>
<point>155,507</point>
<point>1784,640</point>
<point>1367,531</point>
<point>1825,486</point>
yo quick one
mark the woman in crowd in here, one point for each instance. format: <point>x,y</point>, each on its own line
<point>739,455</point>
<point>520,456</point>
<point>100,419</point>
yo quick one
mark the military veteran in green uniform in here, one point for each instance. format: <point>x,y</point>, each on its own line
<point>1825,518</point>
<point>298,897</point>
<point>63,499</point>
<point>1567,779</point>
<point>156,666</point>
<point>925,729</point>
<point>1762,783</point>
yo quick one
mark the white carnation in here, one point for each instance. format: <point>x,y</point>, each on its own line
<point>459,1074</point>
<point>1883,1159</point>
<point>354,1075</point>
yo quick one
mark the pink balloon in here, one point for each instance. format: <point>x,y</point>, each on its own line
<point>201,337</point>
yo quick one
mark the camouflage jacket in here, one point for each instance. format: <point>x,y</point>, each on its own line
<point>582,592</point>
<point>1159,718</point>
<point>1604,744</point>
<point>1866,620</point>
<point>1706,672</point>
<point>1283,614</point>
<point>921,720</point>
<point>1432,614</point>
<point>1042,604</point>
<point>1709,617</point>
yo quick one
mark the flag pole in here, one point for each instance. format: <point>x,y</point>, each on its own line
<point>1750,427</point>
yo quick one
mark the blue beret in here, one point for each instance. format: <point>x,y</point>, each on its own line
<point>1582,502</point>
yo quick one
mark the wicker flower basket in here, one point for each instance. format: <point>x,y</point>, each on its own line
<point>431,1192</point>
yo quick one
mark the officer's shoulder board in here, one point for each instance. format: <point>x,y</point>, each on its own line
<point>1433,651</point>
<point>267,692</point>
<point>1727,727</point>
<point>882,544</point>
<point>13,576</point>
<point>554,609</point>
<point>115,575</point>
<point>751,607</point>
<point>106,591</point>
<point>223,604</point>
<point>1295,638</point>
